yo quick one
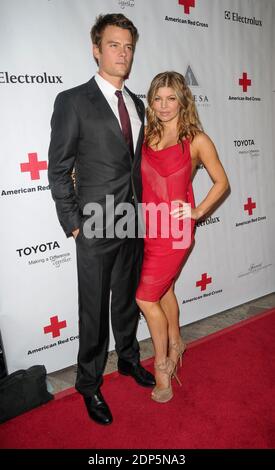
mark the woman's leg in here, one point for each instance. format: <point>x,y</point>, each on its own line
<point>158,326</point>
<point>169,305</point>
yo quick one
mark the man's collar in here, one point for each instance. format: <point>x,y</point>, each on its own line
<point>106,86</point>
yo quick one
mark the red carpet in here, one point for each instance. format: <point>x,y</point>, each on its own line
<point>226,401</point>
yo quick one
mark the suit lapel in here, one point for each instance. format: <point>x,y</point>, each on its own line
<point>103,108</point>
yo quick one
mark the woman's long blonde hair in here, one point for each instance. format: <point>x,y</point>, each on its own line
<point>188,123</point>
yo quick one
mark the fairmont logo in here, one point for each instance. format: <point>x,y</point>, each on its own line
<point>200,98</point>
<point>236,17</point>
<point>31,250</point>
<point>245,82</point>
<point>187,5</point>
<point>254,268</point>
<point>7,78</point>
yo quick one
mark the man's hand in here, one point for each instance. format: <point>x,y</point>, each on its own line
<point>75,233</point>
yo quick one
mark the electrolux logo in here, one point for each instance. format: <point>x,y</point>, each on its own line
<point>43,78</point>
<point>208,221</point>
<point>236,17</point>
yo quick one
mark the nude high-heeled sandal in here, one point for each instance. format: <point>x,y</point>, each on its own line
<point>179,347</point>
<point>162,395</point>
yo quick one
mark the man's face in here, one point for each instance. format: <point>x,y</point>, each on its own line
<point>115,55</point>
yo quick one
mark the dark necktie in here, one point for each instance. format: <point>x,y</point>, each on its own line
<point>125,122</point>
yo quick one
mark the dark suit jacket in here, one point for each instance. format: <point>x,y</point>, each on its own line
<point>86,136</point>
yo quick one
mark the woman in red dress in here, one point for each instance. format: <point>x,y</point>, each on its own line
<point>173,147</point>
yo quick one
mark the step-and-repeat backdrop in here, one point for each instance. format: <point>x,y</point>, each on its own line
<point>224,49</point>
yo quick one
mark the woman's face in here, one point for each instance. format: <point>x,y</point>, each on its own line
<point>166,105</point>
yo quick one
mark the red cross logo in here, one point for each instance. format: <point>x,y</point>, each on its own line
<point>204,281</point>
<point>34,166</point>
<point>55,326</point>
<point>244,81</point>
<point>187,4</point>
<point>249,206</point>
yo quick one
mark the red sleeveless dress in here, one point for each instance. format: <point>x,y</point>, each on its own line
<point>166,177</point>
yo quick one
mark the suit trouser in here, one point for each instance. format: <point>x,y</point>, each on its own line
<point>117,268</point>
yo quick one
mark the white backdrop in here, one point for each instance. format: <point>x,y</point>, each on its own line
<point>45,48</point>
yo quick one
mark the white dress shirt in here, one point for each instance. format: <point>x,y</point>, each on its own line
<point>108,91</point>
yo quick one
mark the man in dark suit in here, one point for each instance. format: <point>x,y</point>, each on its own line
<point>97,129</point>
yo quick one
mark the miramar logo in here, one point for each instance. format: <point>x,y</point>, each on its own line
<point>186,6</point>
<point>245,82</point>
<point>126,3</point>
<point>200,98</point>
<point>236,17</point>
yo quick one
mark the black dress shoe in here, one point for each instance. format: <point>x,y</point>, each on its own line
<point>141,375</point>
<point>97,408</point>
